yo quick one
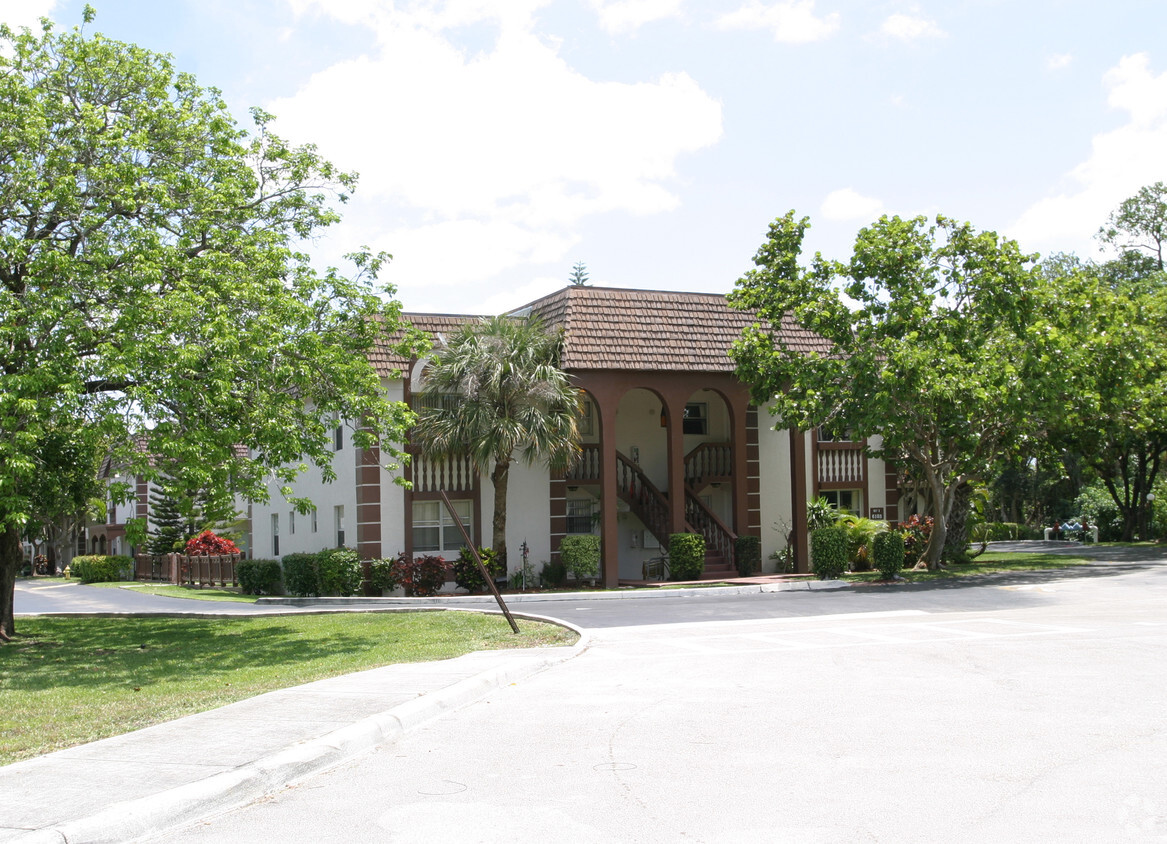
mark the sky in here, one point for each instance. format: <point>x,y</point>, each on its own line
<point>500,143</point>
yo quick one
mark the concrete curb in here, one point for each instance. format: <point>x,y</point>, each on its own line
<point>468,600</point>
<point>150,815</point>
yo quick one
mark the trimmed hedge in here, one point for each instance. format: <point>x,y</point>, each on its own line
<point>554,574</point>
<point>747,552</point>
<point>581,555</point>
<point>466,572</point>
<point>102,568</point>
<point>828,552</point>
<point>382,577</point>
<point>888,553</point>
<point>300,575</point>
<point>340,572</point>
<point>260,577</point>
<point>686,556</point>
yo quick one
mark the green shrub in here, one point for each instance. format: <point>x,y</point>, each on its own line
<point>301,575</point>
<point>686,556</point>
<point>820,514</point>
<point>523,578</point>
<point>102,568</point>
<point>581,555</point>
<point>860,533</point>
<point>553,574</point>
<point>1003,532</point>
<point>259,577</point>
<point>420,577</point>
<point>466,573</point>
<point>339,572</point>
<point>747,552</point>
<point>916,532</point>
<point>828,552</point>
<point>888,553</point>
<point>382,577</point>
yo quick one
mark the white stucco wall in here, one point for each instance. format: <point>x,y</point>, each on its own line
<point>776,494</point>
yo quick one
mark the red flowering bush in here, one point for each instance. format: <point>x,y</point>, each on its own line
<point>208,543</point>
<point>916,532</point>
<point>419,577</point>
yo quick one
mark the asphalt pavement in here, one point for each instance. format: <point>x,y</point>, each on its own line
<point>135,785</point>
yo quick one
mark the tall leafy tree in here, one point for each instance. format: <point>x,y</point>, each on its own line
<point>514,403</point>
<point>928,325</point>
<point>1111,324</point>
<point>150,280</point>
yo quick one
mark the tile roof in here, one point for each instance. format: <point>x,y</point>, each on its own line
<point>654,330</point>
<point>386,359</point>
<point>615,328</point>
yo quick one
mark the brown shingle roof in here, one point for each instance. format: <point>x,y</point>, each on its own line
<point>609,328</point>
<point>612,328</point>
<point>386,358</point>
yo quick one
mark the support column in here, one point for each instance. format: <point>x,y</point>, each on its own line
<point>609,531</point>
<point>676,461</point>
<point>369,503</point>
<point>798,506</point>
<point>739,444</point>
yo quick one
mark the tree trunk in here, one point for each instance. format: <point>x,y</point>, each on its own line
<point>499,478</point>
<point>10,560</point>
<point>940,505</point>
<point>956,542</point>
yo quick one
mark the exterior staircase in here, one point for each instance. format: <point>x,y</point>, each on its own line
<point>651,506</point>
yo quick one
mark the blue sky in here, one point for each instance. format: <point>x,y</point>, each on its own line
<point>500,142</point>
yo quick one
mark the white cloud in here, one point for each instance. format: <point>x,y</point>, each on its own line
<point>910,27</point>
<point>500,153</point>
<point>847,204</point>
<point>18,13</point>
<point>793,21</point>
<point>1058,61</point>
<point>1121,161</point>
<point>621,16</point>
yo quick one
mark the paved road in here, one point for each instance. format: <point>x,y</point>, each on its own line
<point>1037,717</point>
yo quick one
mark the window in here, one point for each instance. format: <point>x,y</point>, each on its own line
<point>291,523</point>
<point>434,530</point>
<point>436,401</point>
<point>338,434</point>
<point>836,435</point>
<point>338,518</point>
<point>843,499</point>
<point>579,515</point>
<point>696,419</point>
<point>314,520</point>
<point>113,513</point>
<point>275,534</point>
<point>587,419</point>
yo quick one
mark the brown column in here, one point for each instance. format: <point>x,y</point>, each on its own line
<point>369,503</point>
<point>609,532</point>
<point>798,507</point>
<point>740,449</point>
<point>675,413</point>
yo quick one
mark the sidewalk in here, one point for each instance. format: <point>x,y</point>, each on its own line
<point>141,783</point>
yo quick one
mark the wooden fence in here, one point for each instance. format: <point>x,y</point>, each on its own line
<point>200,570</point>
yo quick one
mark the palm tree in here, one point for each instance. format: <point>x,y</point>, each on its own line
<point>514,402</point>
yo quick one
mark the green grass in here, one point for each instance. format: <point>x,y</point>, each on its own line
<point>988,563</point>
<point>69,681</point>
<point>168,590</point>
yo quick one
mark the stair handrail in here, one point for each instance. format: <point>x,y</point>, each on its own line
<point>709,525</point>
<point>721,454</point>
<point>649,503</point>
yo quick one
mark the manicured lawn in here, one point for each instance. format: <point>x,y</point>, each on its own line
<point>69,681</point>
<point>169,590</point>
<point>987,563</point>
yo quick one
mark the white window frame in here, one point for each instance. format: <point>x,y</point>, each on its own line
<point>431,514</point>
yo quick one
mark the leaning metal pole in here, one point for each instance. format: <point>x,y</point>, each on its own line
<point>481,568</point>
